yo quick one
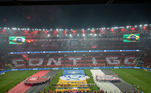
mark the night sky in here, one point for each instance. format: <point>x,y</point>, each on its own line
<point>74,16</point>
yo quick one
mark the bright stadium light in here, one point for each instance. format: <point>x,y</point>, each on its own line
<point>95,34</point>
<point>137,50</point>
<point>48,35</point>
<point>145,24</point>
<point>5,27</point>
<point>70,35</point>
<point>14,28</point>
<point>83,35</point>
<point>140,25</point>
<point>57,29</point>
<point>11,53</point>
<point>28,52</point>
<point>127,26</point>
<point>115,27</point>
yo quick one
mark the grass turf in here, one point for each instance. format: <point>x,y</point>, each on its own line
<point>54,81</point>
<point>90,80</point>
<point>10,79</point>
<point>140,78</point>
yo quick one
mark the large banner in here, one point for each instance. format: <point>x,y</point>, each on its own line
<point>72,80</point>
<point>75,61</point>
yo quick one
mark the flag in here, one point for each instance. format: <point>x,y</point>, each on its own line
<point>131,37</point>
<point>17,39</point>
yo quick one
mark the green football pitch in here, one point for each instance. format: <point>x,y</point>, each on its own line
<point>137,77</point>
<point>10,79</point>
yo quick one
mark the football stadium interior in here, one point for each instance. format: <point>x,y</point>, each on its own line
<point>85,59</point>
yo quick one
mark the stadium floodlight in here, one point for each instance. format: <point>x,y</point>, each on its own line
<point>135,26</point>
<point>57,35</point>
<point>83,35</point>
<point>137,50</point>
<point>57,29</point>
<point>70,35</point>
<point>127,26</point>
<point>145,24</point>
<point>140,25</point>
<point>5,28</point>
<point>11,52</point>
<point>48,35</point>
<point>14,28</point>
<point>95,34</point>
<point>28,52</point>
<point>115,27</point>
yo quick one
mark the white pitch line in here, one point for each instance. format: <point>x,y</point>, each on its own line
<point>106,86</point>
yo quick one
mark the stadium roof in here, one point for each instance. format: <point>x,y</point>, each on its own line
<point>58,2</point>
<point>73,14</point>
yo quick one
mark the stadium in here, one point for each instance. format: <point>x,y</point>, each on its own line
<point>102,59</point>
